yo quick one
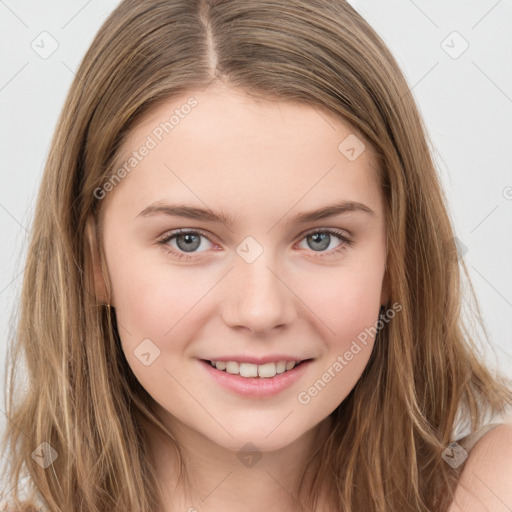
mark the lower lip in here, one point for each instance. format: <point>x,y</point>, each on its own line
<point>257,387</point>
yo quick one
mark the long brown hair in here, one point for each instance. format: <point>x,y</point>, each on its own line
<point>385,450</point>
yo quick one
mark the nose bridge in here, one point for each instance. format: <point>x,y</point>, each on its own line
<point>257,297</point>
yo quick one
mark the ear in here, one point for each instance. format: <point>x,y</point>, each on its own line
<point>92,240</point>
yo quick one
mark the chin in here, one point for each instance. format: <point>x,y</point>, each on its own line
<point>262,438</point>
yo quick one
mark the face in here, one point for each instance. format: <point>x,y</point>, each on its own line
<point>214,253</point>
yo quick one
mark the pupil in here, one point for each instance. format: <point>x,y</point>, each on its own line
<point>189,244</point>
<point>322,238</point>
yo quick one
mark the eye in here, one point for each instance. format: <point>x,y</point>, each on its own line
<point>186,241</point>
<point>319,240</point>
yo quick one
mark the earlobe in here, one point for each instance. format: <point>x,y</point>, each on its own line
<point>100,289</point>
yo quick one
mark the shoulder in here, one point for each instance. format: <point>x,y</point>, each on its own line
<point>486,480</point>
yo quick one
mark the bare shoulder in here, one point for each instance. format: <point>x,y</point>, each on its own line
<point>486,480</point>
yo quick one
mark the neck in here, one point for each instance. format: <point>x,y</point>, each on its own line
<point>219,477</point>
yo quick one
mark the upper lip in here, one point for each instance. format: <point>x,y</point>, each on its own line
<point>258,360</point>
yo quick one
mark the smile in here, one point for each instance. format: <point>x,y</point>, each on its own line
<point>253,386</point>
<point>266,370</point>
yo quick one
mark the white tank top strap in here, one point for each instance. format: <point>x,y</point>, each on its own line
<point>470,440</point>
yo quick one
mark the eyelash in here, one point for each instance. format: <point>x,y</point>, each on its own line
<point>321,255</point>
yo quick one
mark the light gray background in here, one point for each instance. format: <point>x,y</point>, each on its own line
<point>466,103</point>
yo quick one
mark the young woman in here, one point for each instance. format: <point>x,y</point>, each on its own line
<point>243,287</point>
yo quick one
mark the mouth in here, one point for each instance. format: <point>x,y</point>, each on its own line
<point>256,381</point>
<point>250,370</point>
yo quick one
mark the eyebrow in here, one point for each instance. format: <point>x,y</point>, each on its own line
<point>208,215</point>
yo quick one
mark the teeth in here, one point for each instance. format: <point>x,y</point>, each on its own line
<point>248,370</point>
<point>232,367</point>
<point>281,367</point>
<point>266,370</point>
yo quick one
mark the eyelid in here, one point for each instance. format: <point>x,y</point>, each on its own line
<point>344,236</point>
<point>341,231</point>
<point>173,232</point>
<point>168,234</point>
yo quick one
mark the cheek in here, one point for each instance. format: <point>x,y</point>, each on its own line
<point>140,304</point>
<point>345,304</point>
<point>157,301</point>
<point>146,299</point>
<point>345,301</point>
<point>155,315</point>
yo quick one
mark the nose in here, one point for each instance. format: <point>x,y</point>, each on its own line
<point>257,297</point>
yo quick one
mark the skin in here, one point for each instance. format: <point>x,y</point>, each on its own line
<point>484,484</point>
<point>261,163</point>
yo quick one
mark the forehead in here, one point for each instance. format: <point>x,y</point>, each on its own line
<point>221,144</point>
